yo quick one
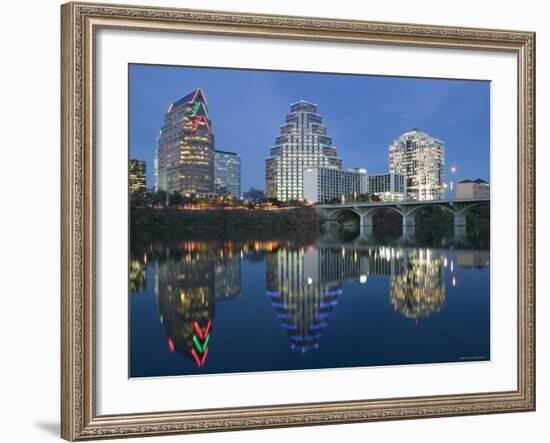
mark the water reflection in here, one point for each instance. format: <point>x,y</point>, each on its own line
<point>138,276</point>
<point>305,284</point>
<point>302,296</point>
<point>189,280</point>
<point>305,281</point>
<point>420,289</point>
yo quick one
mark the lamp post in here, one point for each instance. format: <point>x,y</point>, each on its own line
<point>453,170</point>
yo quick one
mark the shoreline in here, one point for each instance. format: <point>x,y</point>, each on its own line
<point>212,220</point>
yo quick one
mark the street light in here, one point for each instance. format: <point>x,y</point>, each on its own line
<point>453,170</point>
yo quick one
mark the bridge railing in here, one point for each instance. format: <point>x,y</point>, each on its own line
<point>404,202</point>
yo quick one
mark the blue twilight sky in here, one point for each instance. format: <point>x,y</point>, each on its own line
<point>363,114</point>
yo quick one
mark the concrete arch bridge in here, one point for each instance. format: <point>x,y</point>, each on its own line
<point>407,209</point>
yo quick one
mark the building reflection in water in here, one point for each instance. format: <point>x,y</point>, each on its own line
<point>420,289</point>
<point>304,284</point>
<point>303,300</point>
<point>137,274</point>
<point>188,284</point>
<point>473,259</point>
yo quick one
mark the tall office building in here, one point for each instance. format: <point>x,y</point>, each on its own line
<point>321,185</point>
<point>185,148</point>
<point>302,144</point>
<point>388,186</point>
<point>137,176</point>
<point>227,173</point>
<point>421,159</point>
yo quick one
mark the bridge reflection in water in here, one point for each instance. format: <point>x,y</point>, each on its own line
<point>304,282</point>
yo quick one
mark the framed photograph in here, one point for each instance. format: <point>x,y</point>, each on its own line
<point>282,221</point>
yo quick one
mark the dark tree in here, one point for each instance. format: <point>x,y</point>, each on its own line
<point>175,199</point>
<point>374,198</point>
<point>274,201</point>
<point>255,196</point>
<point>158,198</point>
<point>138,199</point>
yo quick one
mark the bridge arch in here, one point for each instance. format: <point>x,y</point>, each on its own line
<point>372,211</point>
<point>364,215</point>
<point>468,208</point>
<point>364,211</point>
<point>336,214</point>
<point>411,213</point>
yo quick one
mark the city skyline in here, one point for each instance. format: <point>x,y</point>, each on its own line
<point>248,112</point>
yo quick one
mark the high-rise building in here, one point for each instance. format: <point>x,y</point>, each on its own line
<point>321,185</point>
<point>473,189</point>
<point>302,144</point>
<point>227,173</point>
<point>138,181</point>
<point>421,159</point>
<point>185,148</point>
<point>388,186</point>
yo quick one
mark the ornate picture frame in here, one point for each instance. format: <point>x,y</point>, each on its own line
<point>80,22</point>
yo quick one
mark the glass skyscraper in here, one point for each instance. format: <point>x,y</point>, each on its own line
<point>227,173</point>
<point>302,144</point>
<point>421,159</point>
<point>185,148</point>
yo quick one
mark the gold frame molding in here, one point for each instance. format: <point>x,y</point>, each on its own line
<point>79,22</point>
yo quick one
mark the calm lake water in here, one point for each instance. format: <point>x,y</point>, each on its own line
<point>251,302</point>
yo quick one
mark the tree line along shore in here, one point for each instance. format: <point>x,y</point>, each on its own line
<point>205,220</point>
<point>299,218</point>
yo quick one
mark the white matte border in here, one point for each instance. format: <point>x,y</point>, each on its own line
<point>116,394</point>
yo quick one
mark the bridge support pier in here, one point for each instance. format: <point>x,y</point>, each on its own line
<point>460,225</point>
<point>408,224</point>
<point>366,224</point>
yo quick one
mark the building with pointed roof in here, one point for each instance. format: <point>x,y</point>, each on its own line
<point>185,148</point>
